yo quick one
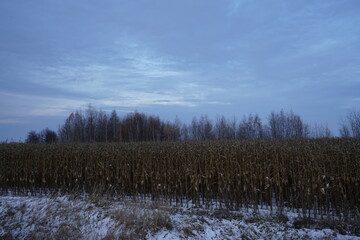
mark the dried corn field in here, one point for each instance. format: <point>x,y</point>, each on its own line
<point>318,177</point>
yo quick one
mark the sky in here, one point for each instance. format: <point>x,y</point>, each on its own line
<point>177,58</point>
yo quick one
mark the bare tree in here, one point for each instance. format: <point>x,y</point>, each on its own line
<point>170,132</point>
<point>233,128</point>
<point>134,127</point>
<point>90,123</point>
<point>286,125</point>
<point>74,128</point>
<point>344,131</point>
<point>184,132</point>
<point>153,129</point>
<point>225,129</point>
<point>113,127</point>
<point>101,127</point>
<point>277,125</point>
<point>48,136</point>
<point>66,132</point>
<point>194,128</point>
<point>354,120</point>
<point>177,128</point>
<point>205,128</point>
<point>97,126</point>
<point>251,127</point>
<point>321,131</point>
<point>33,137</point>
<point>351,126</point>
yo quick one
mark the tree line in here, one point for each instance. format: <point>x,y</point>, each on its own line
<point>93,125</point>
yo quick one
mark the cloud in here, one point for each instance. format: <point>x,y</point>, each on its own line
<point>152,67</point>
<point>128,76</point>
<point>99,85</point>
<point>138,98</point>
<point>91,73</point>
<point>12,121</point>
<point>22,105</point>
<point>105,82</point>
<point>182,94</point>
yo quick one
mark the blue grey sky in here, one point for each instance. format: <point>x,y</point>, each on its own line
<point>177,58</point>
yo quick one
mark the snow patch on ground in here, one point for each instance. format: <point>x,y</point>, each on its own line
<point>68,218</point>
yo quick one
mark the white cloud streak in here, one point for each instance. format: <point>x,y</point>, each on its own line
<point>21,105</point>
<point>12,121</point>
<point>137,78</point>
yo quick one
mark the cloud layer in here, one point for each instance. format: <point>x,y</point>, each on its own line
<point>228,57</point>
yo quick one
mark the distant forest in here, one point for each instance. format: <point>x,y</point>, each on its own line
<point>93,125</point>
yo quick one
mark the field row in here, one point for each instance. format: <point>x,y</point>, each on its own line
<point>319,176</point>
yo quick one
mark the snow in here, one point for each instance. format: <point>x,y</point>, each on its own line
<point>66,217</point>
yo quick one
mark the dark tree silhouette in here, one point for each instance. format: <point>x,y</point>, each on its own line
<point>251,128</point>
<point>48,136</point>
<point>351,126</point>
<point>97,126</point>
<point>113,127</point>
<point>321,131</point>
<point>225,129</point>
<point>287,125</point>
<point>33,137</point>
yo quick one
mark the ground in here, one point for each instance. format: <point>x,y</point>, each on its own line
<point>67,217</point>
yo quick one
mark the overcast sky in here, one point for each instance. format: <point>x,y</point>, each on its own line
<point>181,58</point>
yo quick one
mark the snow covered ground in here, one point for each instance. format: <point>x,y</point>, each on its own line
<point>68,218</point>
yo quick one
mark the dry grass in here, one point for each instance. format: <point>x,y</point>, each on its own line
<point>350,227</point>
<point>68,218</point>
<point>71,219</point>
<point>320,177</point>
<point>139,221</point>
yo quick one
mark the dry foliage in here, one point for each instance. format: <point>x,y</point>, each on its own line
<point>319,177</point>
